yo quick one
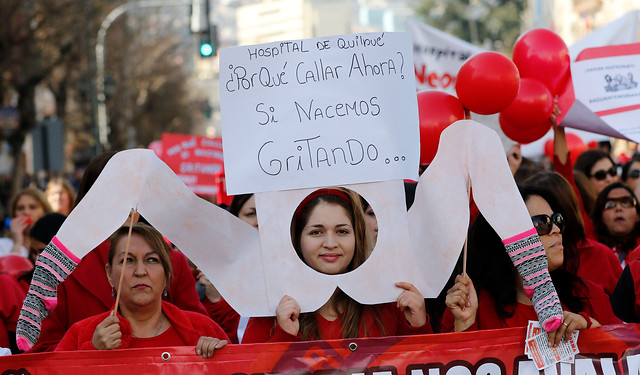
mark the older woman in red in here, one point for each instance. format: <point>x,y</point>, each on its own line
<point>143,319</point>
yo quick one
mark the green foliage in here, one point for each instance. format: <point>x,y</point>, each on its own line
<point>492,24</point>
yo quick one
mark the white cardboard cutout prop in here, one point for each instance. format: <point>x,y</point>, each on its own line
<point>319,112</point>
<point>253,278</point>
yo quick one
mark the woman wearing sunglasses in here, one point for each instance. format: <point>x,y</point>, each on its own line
<point>500,300</point>
<point>598,263</point>
<point>616,216</point>
<point>631,172</point>
<point>599,167</point>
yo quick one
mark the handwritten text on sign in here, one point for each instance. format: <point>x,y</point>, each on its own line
<point>318,112</point>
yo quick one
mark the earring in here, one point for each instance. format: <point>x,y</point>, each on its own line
<point>164,293</point>
<point>113,292</point>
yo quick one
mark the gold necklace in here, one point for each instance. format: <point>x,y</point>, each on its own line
<point>157,331</point>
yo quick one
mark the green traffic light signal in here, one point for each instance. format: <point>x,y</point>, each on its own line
<point>206,49</point>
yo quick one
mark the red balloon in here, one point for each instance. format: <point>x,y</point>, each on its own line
<point>487,83</point>
<point>575,144</point>
<point>524,136</point>
<point>541,54</point>
<point>548,148</point>
<point>437,111</point>
<point>532,106</point>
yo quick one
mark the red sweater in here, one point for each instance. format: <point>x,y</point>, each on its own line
<point>11,297</point>
<point>186,329</point>
<point>566,170</point>
<point>261,330</point>
<point>86,292</point>
<point>599,264</point>
<point>597,306</point>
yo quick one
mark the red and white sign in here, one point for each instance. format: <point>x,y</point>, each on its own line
<point>195,159</point>
<point>606,82</point>
<point>608,350</point>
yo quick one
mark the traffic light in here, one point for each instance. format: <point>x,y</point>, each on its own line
<point>209,42</point>
<point>206,47</point>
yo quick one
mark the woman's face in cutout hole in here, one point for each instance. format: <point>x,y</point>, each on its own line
<point>329,231</point>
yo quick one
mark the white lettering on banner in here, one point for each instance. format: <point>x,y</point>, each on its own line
<point>486,366</point>
<point>210,142</point>
<point>188,179</point>
<point>459,370</point>
<point>346,102</point>
<point>208,153</point>
<point>633,364</point>
<point>607,366</point>
<point>200,168</point>
<point>603,365</point>
<point>584,367</point>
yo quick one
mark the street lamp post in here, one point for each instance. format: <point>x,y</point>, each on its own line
<point>103,130</point>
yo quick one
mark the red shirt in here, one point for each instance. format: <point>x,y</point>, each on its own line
<point>261,330</point>
<point>599,264</point>
<point>189,326</point>
<point>11,297</point>
<point>597,306</point>
<point>169,337</point>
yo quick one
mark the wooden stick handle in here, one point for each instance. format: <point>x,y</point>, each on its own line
<point>124,264</point>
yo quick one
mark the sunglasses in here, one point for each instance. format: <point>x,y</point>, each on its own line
<point>625,202</point>
<point>602,173</point>
<point>544,223</point>
<point>635,173</point>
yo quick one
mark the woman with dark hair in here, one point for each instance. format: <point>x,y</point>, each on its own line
<point>243,206</point>
<point>597,262</point>
<point>329,234</point>
<point>139,268</point>
<point>500,301</point>
<point>616,217</point>
<point>598,166</point>
<point>631,172</point>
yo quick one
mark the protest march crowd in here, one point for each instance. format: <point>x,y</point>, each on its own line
<point>586,216</point>
<point>570,261</point>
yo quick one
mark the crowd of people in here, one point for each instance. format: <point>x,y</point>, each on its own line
<point>137,290</point>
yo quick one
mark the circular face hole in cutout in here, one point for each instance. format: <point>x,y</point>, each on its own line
<point>331,231</point>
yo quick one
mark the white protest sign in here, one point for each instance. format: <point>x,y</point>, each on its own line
<point>318,112</point>
<point>606,81</point>
<point>437,57</point>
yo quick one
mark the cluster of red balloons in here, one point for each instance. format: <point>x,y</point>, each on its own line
<point>522,91</point>
<point>487,83</point>
<point>542,59</point>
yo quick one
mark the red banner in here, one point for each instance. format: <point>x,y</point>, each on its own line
<point>195,159</point>
<point>609,350</point>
